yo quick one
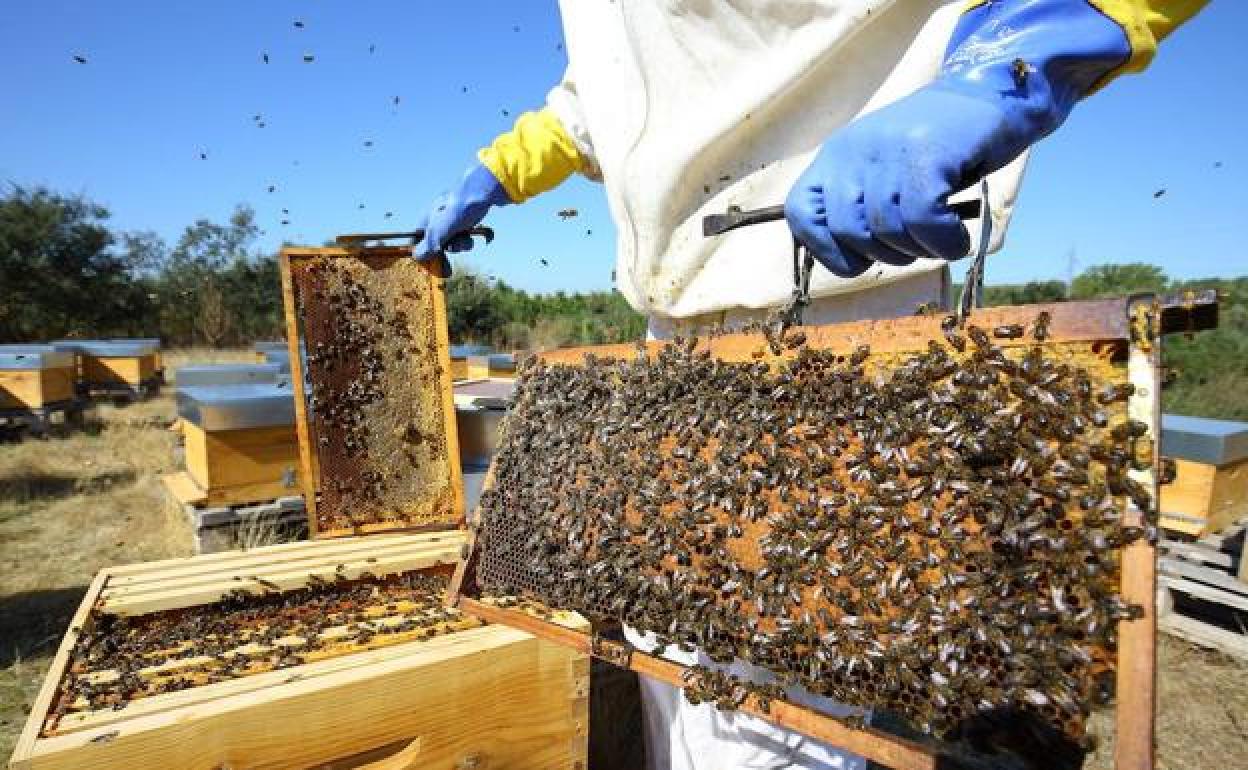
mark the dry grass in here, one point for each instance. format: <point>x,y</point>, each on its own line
<point>72,505</point>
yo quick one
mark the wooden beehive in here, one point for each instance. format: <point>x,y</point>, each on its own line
<point>240,466</point>
<point>48,380</point>
<point>1210,489</point>
<point>470,696</point>
<point>240,443</point>
<point>129,370</point>
<point>1114,342</point>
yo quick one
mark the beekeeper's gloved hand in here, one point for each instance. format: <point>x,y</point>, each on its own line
<point>535,156</point>
<point>878,188</point>
<point>457,211</point>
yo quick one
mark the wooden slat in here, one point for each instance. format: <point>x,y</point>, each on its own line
<point>890,750</point>
<point>263,555</point>
<point>309,476</point>
<point>358,549</point>
<point>1093,321</point>
<point>1136,685</point>
<point>506,700</point>
<point>257,682</point>
<point>1208,575</point>
<point>1207,592</point>
<point>334,635</point>
<point>381,562</point>
<point>24,748</point>
<point>1205,635</point>
<point>141,603</point>
<point>1196,552</point>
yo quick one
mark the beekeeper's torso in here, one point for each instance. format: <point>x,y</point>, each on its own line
<point>689,106</point>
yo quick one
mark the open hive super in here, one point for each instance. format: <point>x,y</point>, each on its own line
<point>257,621</point>
<point>379,441</point>
<point>336,653</point>
<point>933,529</point>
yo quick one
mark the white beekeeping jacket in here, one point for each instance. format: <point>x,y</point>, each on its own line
<point>689,106</point>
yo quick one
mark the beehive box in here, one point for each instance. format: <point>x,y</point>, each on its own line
<point>33,377</point>
<point>204,677</point>
<point>951,524</point>
<point>240,442</point>
<point>107,365</point>
<point>1210,489</point>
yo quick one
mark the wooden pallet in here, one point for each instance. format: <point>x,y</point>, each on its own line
<point>1202,595</point>
<point>40,420</point>
<point>218,528</point>
<point>481,697</point>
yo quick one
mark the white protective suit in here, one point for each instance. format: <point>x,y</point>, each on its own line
<point>689,106</point>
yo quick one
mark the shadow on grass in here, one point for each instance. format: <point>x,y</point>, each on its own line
<point>32,487</point>
<point>33,622</point>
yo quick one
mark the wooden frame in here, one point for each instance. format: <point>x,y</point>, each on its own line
<point>489,695</point>
<point>1136,323</point>
<point>310,469</point>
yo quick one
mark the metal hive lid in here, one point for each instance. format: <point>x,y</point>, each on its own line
<point>265,346</point>
<point>228,374</point>
<point>378,442</point>
<point>18,357</point>
<point>234,407</point>
<point>1203,440</point>
<point>153,341</point>
<point>106,348</point>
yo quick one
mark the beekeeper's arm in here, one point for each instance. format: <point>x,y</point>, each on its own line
<point>542,150</point>
<point>878,188</point>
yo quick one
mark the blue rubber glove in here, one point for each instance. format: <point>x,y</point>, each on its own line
<point>458,211</point>
<point>878,188</point>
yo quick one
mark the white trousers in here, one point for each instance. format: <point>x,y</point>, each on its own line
<point>681,736</point>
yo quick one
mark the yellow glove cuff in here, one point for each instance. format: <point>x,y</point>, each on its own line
<point>1147,23</point>
<point>534,156</point>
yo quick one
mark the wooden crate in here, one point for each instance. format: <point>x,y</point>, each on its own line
<point>484,697</point>
<point>118,370</point>
<point>35,388</point>
<point>241,466</point>
<point>1205,498</point>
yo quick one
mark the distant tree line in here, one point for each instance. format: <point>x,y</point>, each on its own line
<point>64,272</point>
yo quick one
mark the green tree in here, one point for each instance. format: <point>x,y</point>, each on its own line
<point>59,269</point>
<point>1118,281</point>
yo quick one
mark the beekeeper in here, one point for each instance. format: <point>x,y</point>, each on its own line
<point>862,116</point>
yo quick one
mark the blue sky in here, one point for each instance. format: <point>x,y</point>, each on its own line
<point>166,81</point>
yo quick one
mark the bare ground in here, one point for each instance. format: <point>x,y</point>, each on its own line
<point>72,505</point>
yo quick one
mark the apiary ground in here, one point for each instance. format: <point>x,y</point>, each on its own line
<point>71,506</point>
